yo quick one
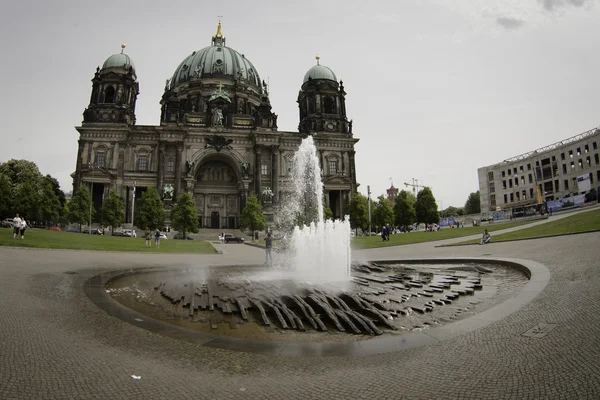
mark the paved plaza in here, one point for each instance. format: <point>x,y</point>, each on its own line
<point>56,344</point>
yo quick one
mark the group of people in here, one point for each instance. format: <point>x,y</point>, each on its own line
<point>149,235</point>
<point>385,233</point>
<point>19,227</point>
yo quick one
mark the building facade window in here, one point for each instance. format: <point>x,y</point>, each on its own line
<point>562,156</point>
<point>564,168</point>
<point>522,181</point>
<point>566,184</point>
<point>492,188</point>
<point>580,163</point>
<point>490,176</point>
<point>594,146</point>
<point>524,194</point>
<point>528,167</point>
<point>517,181</point>
<point>556,187</point>
<point>572,165</point>
<point>531,193</point>
<point>521,168</point>
<point>503,174</point>
<point>512,197</point>
<point>493,201</point>
<point>510,183</point>
<point>596,159</point>
<point>100,157</point>
<point>504,185</point>
<point>264,169</point>
<point>170,165</point>
<point>505,199</point>
<point>143,162</point>
<point>333,164</point>
<point>530,178</point>
<point>579,151</point>
<point>571,153</point>
<point>509,172</point>
<point>588,160</point>
<point>586,148</point>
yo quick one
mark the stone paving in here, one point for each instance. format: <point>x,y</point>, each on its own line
<point>56,344</point>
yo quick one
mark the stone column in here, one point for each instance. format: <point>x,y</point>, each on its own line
<point>352,170</point>
<point>257,172</point>
<point>178,169</point>
<point>318,105</point>
<point>115,156</point>
<point>275,172</point>
<point>161,169</point>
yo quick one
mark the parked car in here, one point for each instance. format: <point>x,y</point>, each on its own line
<point>163,235</point>
<point>229,237</point>
<point>130,233</point>
<point>119,233</point>
<point>7,223</point>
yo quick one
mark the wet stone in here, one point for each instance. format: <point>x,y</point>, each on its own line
<point>378,299</point>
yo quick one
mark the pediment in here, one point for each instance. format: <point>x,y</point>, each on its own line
<point>337,180</point>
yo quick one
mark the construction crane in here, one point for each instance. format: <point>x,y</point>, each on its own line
<point>415,185</point>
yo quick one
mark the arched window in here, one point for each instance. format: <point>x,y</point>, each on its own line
<point>329,105</point>
<point>311,105</point>
<point>109,95</point>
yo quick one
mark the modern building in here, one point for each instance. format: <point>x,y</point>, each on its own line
<point>563,169</point>
<point>217,138</point>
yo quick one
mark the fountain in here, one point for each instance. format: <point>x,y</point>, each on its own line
<point>320,250</point>
<point>315,292</point>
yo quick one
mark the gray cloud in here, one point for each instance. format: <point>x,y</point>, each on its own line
<point>551,5</point>
<point>509,23</point>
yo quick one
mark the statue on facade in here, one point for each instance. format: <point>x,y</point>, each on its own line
<point>218,143</point>
<point>267,195</point>
<point>246,168</point>
<point>189,165</point>
<point>168,191</point>
<point>350,126</point>
<point>217,117</point>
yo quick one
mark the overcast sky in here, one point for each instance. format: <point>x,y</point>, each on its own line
<point>436,88</point>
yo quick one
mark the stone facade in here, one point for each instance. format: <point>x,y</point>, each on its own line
<point>217,140</point>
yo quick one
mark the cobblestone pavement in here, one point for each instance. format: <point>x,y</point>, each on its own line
<point>55,344</point>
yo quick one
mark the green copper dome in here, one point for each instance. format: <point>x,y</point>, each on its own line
<point>119,60</point>
<point>320,72</point>
<point>216,61</point>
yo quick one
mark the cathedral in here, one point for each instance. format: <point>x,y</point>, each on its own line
<point>217,139</point>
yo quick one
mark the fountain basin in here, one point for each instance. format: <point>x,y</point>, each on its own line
<point>127,295</point>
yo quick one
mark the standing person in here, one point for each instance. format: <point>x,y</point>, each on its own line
<point>268,247</point>
<point>22,228</point>
<point>157,238</point>
<point>148,236</point>
<point>16,227</point>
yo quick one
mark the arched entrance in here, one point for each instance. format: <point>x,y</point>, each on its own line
<point>216,194</point>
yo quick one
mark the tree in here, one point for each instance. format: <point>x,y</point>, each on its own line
<point>151,215</point>
<point>426,207</point>
<point>5,196</point>
<point>49,207</point>
<point>404,209</point>
<point>449,212</point>
<point>56,188</point>
<point>79,207</point>
<point>26,198</point>
<point>184,217</point>
<point>327,213</point>
<point>252,216</point>
<point>384,212</point>
<point>359,212</point>
<point>112,212</point>
<point>473,206</point>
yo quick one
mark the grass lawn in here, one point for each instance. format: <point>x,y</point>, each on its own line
<point>368,242</point>
<point>42,238</point>
<point>585,221</point>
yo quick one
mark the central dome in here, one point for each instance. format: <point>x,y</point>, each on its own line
<point>216,61</point>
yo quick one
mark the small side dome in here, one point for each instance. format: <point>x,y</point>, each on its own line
<point>119,60</point>
<point>319,72</point>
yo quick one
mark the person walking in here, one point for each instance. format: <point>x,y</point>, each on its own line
<point>148,236</point>
<point>16,227</point>
<point>22,228</point>
<point>157,238</point>
<point>268,248</point>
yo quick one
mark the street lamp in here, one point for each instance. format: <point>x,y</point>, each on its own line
<point>132,208</point>
<point>369,205</point>
<point>92,167</point>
